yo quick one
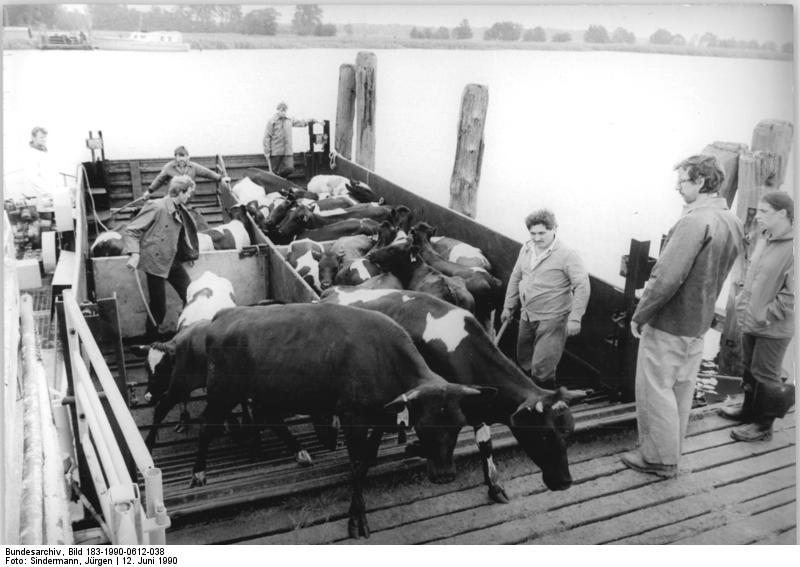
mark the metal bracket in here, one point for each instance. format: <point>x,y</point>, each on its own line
<point>254,250</point>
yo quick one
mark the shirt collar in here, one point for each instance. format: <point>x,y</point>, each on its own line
<point>716,202</point>
<point>532,248</point>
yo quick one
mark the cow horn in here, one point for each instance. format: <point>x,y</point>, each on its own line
<point>403,399</point>
<point>467,391</point>
<point>572,395</point>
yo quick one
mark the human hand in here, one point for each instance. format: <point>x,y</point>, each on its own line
<point>146,195</point>
<point>505,315</point>
<point>133,261</point>
<point>636,329</point>
<point>573,328</point>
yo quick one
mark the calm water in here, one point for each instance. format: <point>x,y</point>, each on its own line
<point>594,136</point>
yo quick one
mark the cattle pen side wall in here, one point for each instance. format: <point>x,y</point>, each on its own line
<point>595,356</point>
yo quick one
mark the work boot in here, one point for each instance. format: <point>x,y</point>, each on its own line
<point>760,430</point>
<point>743,413</point>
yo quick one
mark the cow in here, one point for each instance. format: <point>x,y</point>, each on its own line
<point>246,191</point>
<point>346,227</point>
<point>455,346</point>
<point>460,252</point>
<point>233,235</point>
<point>272,183</point>
<point>178,367</point>
<point>484,287</point>
<point>313,263</point>
<point>402,260</point>
<point>302,218</point>
<point>295,359</point>
<point>333,185</point>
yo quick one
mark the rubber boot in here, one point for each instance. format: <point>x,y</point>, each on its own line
<point>743,413</point>
<point>759,430</point>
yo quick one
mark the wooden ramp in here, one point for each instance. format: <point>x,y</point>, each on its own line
<point>727,493</point>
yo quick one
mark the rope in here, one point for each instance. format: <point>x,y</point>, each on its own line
<point>91,199</point>
<point>141,294</point>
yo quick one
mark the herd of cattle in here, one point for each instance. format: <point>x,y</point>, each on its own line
<point>397,340</point>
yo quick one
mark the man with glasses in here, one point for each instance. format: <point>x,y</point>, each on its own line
<point>551,284</point>
<point>675,312</point>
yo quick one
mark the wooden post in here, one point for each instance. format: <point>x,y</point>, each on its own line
<point>774,136</point>
<point>727,154</point>
<point>757,171</point>
<point>469,150</point>
<point>345,110</point>
<point>366,63</point>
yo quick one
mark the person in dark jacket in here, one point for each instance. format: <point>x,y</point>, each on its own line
<point>675,312</point>
<point>278,140</point>
<point>765,311</point>
<point>158,239</point>
<point>181,165</point>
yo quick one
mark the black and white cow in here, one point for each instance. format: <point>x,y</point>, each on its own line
<point>456,347</point>
<point>179,366</point>
<point>296,359</point>
<point>233,235</point>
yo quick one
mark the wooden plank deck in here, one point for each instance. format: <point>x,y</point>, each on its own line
<point>727,493</point>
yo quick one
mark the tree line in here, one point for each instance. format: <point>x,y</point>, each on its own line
<point>209,18</point>
<point>307,20</point>
<point>512,31</point>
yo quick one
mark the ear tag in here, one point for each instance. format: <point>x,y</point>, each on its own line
<point>539,406</point>
<point>483,434</point>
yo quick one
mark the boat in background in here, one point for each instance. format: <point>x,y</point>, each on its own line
<point>64,40</point>
<point>141,41</point>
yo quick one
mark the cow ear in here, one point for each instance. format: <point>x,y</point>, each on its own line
<point>571,395</point>
<point>433,231</point>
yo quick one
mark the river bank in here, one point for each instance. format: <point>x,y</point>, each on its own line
<point>201,41</point>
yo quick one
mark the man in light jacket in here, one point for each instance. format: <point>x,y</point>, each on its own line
<point>551,284</point>
<point>675,312</point>
<point>278,141</point>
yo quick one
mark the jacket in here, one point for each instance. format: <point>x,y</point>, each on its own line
<point>278,135</point>
<point>558,285</point>
<point>684,285</point>
<point>765,304</point>
<point>155,234</point>
<point>174,169</point>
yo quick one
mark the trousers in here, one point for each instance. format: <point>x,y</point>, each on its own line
<point>540,345</point>
<point>666,373</point>
<point>179,280</point>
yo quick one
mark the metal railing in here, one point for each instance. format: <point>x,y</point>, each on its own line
<point>118,494</point>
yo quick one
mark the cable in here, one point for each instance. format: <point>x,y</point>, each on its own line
<point>141,294</point>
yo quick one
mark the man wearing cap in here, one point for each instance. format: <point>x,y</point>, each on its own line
<point>278,141</point>
<point>182,166</point>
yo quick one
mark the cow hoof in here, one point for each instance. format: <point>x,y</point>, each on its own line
<point>198,479</point>
<point>358,528</point>
<point>304,459</point>
<point>498,494</point>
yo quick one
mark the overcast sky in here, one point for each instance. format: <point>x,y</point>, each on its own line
<point>741,20</point>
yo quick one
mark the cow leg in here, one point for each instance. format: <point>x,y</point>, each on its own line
<point>285,435</point>
<point>212,425</point>
<point>165,403</point>
<point>183,421</point>
<point>357,449</point>
<point>483,438</point>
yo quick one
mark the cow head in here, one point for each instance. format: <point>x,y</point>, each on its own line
<point>542,426</point>
<point>257,213</point>
<point>422,233</point>
<point>387,232</point>
<point>397,256</point>
<point>328,267</point>
<point>295,221</point>
<point>280,207</point>
<point>435,413</point>
<point>361,192</point>
<point>160,360</point>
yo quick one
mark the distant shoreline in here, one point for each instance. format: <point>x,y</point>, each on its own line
<point>200,41</point>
